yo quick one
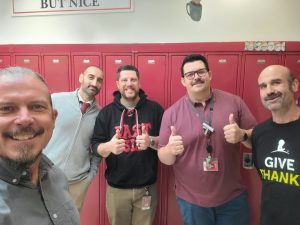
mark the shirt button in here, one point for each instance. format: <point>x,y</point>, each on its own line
<point>54,215</point>
<point>24,173</point>
<point>15,180</point>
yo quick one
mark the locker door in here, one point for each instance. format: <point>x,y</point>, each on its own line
<point>5,61</point>
<point>28,61</point>
<point>89,214</point>
<point>153,76</point>
<point>80,63</point>
<point>254,64</point>
<point>293,62</point>
<point>57,72</point>
<point>225,70</point>
<point>176,88</point>
<point>111,65</point>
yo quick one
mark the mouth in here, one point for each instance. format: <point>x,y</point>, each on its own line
<point>23,134</point>
<point>273,97</point>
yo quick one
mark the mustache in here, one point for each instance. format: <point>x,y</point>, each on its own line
<point>272,96</point>
<point>18,131</point>
<point>198,81</point>
<point>97,89</point>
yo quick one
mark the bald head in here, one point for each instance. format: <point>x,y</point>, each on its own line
<point>277,70</point>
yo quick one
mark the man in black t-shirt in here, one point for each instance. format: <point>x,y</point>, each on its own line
<point>276,144</point>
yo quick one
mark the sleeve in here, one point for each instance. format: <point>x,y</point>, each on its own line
<point>95,162</point>
<point>165,131</point>
<point>101,132</point>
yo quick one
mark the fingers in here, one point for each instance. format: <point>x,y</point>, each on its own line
<point>144,131</point>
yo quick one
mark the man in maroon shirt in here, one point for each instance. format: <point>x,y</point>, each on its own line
<point>200,136</point>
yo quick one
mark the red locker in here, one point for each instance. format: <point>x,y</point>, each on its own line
<point>79,64</point>
<point>176,88</point>
<point>111,64</point>
<point>153,75</point>
<point>28,61</point>
<point>293,62</point>
<point>5,61</point>
<point>225,71</point>
<point>253,65</point>
<point>57,72</point>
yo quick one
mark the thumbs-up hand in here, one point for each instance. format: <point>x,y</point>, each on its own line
<point>143,139</point>
<point>232,132</point>
<point>175,144</point>
<point>117,144</point>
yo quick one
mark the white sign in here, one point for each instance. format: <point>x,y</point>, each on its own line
<point>50,7</point>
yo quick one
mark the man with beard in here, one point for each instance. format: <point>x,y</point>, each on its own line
<point>200,136</point>
<point>275,144</point>
<point>73,131</point>
<point>125,134</point>
<point>32,189</point>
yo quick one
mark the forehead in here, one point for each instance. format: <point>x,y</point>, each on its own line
<point>22,89</point>
<point>128,74</point>
<point>94,71</point>
<point>191,66</point>
<point>270,74</point>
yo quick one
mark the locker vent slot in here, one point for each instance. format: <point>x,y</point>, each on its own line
<point>151,61</point>
<point>26,61</point>
<point>55,60</point>
<point>222,61</point>
<point>118,61</point>
<point>261,61</point>
<point>86,61</point>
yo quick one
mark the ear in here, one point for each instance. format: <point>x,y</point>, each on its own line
<point>209,75</point>
<point>81,78</point>
<point>295,85</point>
<point>55,113</point>
<point>183,82</point>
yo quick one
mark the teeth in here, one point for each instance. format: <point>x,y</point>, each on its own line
<point>23,137</point>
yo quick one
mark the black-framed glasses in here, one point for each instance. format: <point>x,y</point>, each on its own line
<point>191,75</point>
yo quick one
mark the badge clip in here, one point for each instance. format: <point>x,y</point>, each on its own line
<point>207,129</point>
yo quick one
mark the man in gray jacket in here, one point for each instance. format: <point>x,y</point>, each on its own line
<point>33,191</point>
<point>69,147</point>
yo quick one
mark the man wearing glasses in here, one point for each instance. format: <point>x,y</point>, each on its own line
<point>200,136</point>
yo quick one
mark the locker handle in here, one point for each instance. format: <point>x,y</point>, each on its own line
<point>118,61</point>
<point>261,61</point>
<point>55,60</point>
<point>86,61</point>
<point>151,61</point>
<point>298,61</point>
<point>26,61</point>
<point>222,61</point>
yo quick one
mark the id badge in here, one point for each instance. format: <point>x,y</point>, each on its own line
<point>211,165</point>
<point>146,202</point>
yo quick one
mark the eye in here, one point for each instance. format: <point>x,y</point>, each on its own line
<point>38,107</point>
<point>7,109</point>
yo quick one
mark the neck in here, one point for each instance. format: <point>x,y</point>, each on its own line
<point>200,97</point>
<point>84,96</point>
<point>129,103</point>
<point>34,171</point>
<point>286,116</point>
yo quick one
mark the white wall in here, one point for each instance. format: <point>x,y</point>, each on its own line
<point>159,21</point>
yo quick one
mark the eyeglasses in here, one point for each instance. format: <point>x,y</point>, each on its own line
<point>191,75</point>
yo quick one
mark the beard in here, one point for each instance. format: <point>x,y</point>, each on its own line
<point>25,151</point>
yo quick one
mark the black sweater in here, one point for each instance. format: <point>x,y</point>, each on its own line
<point>132,168</point>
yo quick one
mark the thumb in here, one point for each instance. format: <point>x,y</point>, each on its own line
<point>144,129</point>
<point>117,135</point>
<point>231,118</point>
<point>173,131</point>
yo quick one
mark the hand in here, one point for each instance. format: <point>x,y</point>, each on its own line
<point>143,140</point>
<point>117,144</point>
<point>175,144</point>
<point>232,132</point>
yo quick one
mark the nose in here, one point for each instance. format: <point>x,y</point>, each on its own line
<point>24,117</point>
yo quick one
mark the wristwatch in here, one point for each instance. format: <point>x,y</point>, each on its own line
<point>245,137</point>
<point>152,142</point>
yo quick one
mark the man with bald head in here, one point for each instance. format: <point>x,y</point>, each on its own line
<point>69,147</point>
<point>276,147</point>
<point>32,189</point>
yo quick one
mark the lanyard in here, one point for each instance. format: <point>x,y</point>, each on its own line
<point>130,112</point>
<point>207,127</point>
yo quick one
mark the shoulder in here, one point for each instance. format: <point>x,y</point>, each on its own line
<point>262,127</point>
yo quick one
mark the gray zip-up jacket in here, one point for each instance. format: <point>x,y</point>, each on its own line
<point>69,147</point>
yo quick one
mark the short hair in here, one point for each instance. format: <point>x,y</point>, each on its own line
<point>20,72</point>
<point>193,58</point>
<point>127,67</point>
